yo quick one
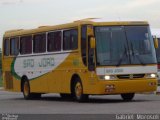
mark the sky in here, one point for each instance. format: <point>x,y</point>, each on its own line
<point>28,14</point>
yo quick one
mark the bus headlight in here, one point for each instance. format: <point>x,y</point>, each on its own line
<point>107,77</point>
<point>152,75</point>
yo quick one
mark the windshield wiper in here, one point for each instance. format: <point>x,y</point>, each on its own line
<point>122,57</point>
<point>137,56</point>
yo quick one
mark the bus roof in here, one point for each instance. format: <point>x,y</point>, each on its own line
<point>93,21</point>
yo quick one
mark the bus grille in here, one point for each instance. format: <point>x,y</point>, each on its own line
<point>8,80</point>
<point>130,76</point>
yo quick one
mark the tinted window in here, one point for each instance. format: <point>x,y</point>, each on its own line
<point>70,39</point>
<point>6,47</point>
<point>158,51</point>
<point>14,42</point>
<point>124,45</point>
<point>141,44</point>
<point>83,43</point>
<point>26,45</point>
<point>39,43</point>
<point>111,46</point>
<point>54,41</point>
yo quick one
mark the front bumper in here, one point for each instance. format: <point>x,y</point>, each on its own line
<point>124,86</point>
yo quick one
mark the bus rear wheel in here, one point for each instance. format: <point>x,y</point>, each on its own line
<point>26,91</point>
<point>127,96</point>
<point>78,91</point>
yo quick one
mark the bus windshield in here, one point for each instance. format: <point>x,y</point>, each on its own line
<point>124,45</point>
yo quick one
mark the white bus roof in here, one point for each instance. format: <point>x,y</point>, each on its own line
<point>110,20</point>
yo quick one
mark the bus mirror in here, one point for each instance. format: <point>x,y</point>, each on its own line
<point>92,43</point>
<point>155,42</point>
<point>90,31</point>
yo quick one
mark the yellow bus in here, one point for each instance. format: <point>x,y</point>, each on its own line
<point>86,57</point>
<point>157,36</point>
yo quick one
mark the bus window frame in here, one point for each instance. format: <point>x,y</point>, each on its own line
<point>4,48</point>
<point>84,58</point>
<point>39,53</point>
<point>13,55</point>
<point>73,28</point>
<point>46,34</point>
<point>31,45</point>
<point>60,44</point>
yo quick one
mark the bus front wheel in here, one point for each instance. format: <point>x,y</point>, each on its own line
<point>78,91</point>
<point>127,96</point>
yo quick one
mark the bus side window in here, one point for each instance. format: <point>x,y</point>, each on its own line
<point>14,45</point>
<point>6,47</point>
<point>39,43</point>
<point>54,41</point>
<point>70,39</point>
<point>26,45</point>
<point>91,61</point>
<point>84,44</point>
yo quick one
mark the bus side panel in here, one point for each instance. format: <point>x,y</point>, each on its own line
<point>62,75</point>
<point>89,81</point>
<point>7,76</point>
<point>76,67</point>
<point>40,71</point>
<point>16,85</point>
<point>10,82</point>
<point>39,85</point>
<point>67,69</point>
<point>54,80</point>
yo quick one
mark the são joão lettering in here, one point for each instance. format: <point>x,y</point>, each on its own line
<point>44,62</point>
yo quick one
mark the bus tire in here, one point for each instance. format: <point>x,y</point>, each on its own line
<point>127,96</point>
<point>26,91</point>
<point>77,91</point>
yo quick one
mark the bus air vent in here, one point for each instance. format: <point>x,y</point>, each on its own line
<point>130,76</point>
